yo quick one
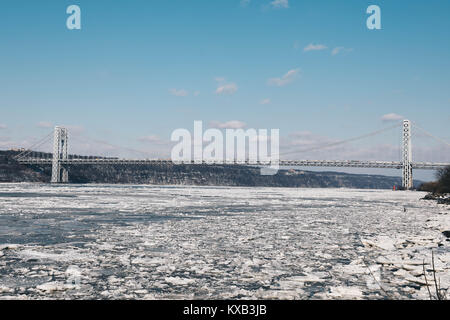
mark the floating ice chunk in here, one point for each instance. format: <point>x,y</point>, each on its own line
<point>399,261</point>
<point>354,269</point>
<point>22,270</point>
<point>413,262</point>
<point>16,297</point>
<point>66,256</point>
<point>382,242</point>
<point>141,291</point>
<point>50,287</point>
<point>444,258</point>
<point>408,267</point>
<point>402,273</point>
<point>306,278</point>
<point>179,281</point>
<point>391,259</point>
<point>345,292</point>
<point>415,277</point>
<point>150,296</point>
<point>160,285</point>
<point>114,280</point>
<point>4,289</point>
<point>149,261</point>
<point>166,268</point>
<point>422,294</point>
<point>281,294</point>
<point>9,246</point>
<point>105,293</point>
<point>416,272</point>
<point>292,283</point>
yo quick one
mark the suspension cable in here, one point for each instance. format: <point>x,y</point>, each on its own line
<point>35,145</point>
<point>430,135</point>
<point>86,139</point>
<point>332,144</point>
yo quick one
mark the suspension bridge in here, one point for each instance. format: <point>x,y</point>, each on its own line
<point>61,160</point>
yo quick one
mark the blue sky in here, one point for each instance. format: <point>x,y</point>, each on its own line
<point>137,70</point>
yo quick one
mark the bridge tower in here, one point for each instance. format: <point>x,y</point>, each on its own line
<point>407,175</point>
<point>60,143</point>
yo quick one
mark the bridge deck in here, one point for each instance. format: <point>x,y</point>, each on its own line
<point>282,163</point>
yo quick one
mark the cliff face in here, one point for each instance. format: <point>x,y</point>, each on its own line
<point>225,175</point>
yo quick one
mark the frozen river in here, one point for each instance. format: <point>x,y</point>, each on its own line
<point>153,242</point>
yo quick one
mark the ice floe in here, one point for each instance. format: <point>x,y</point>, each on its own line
<point>119,242</point>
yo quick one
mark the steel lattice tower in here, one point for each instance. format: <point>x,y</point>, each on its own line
<point>60,144</point>
<point>407,175</point>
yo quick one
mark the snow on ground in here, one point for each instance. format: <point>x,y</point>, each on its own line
<point>175,242</point>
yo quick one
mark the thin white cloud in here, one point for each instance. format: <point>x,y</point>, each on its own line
<point>227,88</point>
<point>9,143</point>
<point>280,4</point>
<point>265,101</point>
<point>196,93</point>
<point>233,124</point>
<point>45,124</point>
<point>74,129</point>
<point>178,93</point>
<point>305,139</point>
<point>3,126</point>
<point>285,79</point>
<point>154,139</point>
<point>315,47</point>
<point>338,50</point>
<point>391,117</point>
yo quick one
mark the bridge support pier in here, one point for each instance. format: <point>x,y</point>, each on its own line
<point>60,142</point>
<point>407,175</point>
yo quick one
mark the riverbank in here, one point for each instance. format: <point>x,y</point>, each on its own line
<point>439,198</point>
